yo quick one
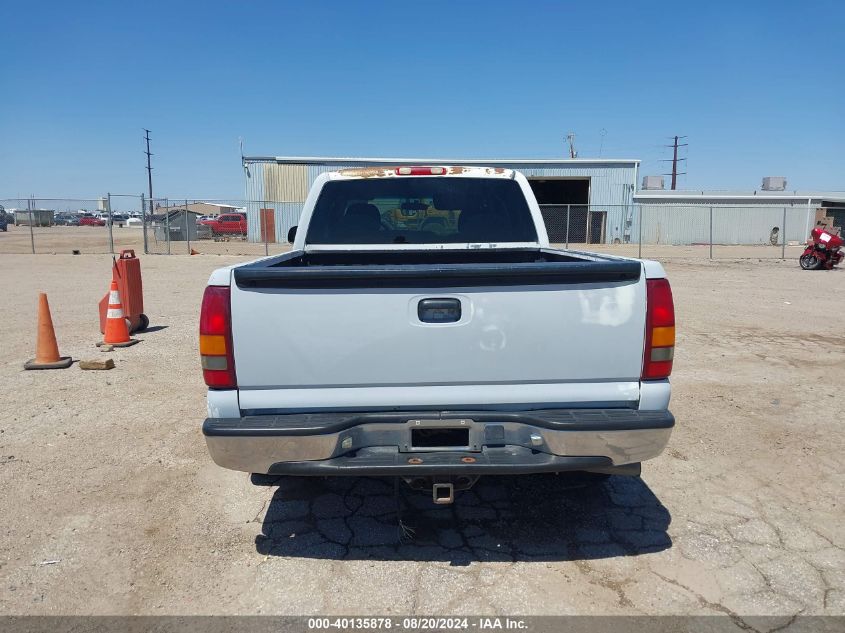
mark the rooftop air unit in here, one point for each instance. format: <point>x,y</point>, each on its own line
<point>652,182</point>
<point>774,183</point>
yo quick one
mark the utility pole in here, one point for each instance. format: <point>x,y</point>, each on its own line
<point>149,168</point>
<point>571,140</point>
<point>150,185</point>
<point>675,173</point>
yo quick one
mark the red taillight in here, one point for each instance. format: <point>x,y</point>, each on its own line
<point>216,352</point>
<point>420,171</point>
<point>659,330</point>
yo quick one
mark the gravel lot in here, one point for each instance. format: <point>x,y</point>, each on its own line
<point>111,504</point>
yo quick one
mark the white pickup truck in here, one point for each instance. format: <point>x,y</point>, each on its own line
<point>422,327</point>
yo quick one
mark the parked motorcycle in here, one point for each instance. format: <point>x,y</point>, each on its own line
<point>824,250</point>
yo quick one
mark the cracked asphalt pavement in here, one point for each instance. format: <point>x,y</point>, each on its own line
<point>111,504</point>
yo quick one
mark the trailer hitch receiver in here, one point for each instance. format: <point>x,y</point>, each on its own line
<point>443,493</point>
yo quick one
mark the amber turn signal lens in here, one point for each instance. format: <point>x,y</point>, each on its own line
<point>212,345</point>
<point>663,336</point>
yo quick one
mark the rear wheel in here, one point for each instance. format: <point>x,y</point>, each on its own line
<point>144,322</point>
<point>809,262</point>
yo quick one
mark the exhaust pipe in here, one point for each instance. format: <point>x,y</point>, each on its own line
<point>443,494</point>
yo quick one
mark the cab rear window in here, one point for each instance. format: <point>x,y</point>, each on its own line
<point>421,210</point>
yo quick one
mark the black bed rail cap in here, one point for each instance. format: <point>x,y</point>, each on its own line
<point>438,275</point>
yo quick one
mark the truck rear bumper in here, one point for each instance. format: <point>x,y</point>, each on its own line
<point>480,442</point>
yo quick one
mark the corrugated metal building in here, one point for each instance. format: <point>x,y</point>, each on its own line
<point>595,194</point>
<point>201,208</point>
<point>38,217</point>
<point>686,217</point>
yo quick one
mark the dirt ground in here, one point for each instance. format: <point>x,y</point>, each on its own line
<point>111,504</point>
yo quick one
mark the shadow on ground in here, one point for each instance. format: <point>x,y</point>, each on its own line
<point>526,518</point>
<point>153,328</point>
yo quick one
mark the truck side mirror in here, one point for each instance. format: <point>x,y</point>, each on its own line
<point>291,234</point>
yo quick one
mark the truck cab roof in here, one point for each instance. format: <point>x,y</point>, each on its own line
<point>422,170</point>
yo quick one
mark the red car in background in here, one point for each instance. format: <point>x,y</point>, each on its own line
<point>91,220</point>
<point>227,224</point>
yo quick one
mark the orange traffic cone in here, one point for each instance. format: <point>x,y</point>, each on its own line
<point>117,330</point>
<point>46,349</point>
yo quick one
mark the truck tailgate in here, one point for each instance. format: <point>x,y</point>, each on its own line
<point>569,341</point>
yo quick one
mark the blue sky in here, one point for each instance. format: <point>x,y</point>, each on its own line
<point>758,87</point>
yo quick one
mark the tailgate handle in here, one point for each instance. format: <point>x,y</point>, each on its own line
<point>439,310</point>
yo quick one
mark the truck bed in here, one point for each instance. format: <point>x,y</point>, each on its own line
<point>433,269</point>
<point>532,321</point>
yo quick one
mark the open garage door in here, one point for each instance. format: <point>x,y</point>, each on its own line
<point>555,195</point>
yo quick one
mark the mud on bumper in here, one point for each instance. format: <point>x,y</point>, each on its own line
<point>485,442</point>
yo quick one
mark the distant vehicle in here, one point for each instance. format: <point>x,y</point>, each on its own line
<point>824,249</point>
<point>134,221</point>
<point>90,219</point>
<point>119,219</point>
<point>66,219</point>
<point>6,218</point>
<point>204,218</point>
<point>227,224</point>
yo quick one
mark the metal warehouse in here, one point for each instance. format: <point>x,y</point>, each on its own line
<point>595,195</point>
<point>583,201</point>
<point>752,217</point>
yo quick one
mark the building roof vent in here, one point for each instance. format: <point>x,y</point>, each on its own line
<point>652,182</point>
<point>774,183</point>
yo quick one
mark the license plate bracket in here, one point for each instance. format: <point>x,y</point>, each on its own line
<point>442,435</point>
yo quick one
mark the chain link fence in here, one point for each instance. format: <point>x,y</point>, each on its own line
<point>161,226</point>
<point>167,226</point>
<point>55,225</point>
<point>666,231</point>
